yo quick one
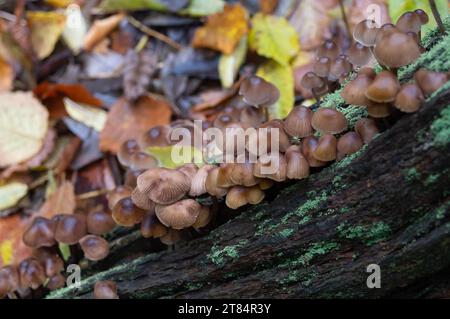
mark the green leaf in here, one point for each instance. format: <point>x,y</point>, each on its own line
<point>11,193</point>
<point>200,8</point>
<point>398,7</point>
<point>282,77</point>
<point>274,38</point>
<point>131,5</point>
<point>65,251</point>
<point>229,64</point>
<point>175,156</point>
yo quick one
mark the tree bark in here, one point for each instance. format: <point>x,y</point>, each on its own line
<point>388,205</point>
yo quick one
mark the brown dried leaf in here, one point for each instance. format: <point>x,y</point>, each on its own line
<point>223,30</point>
<point>100,29</point>
<point>62,201</point>
<point>12,248</point>
<point>126,121</point>
<point>6,76</point>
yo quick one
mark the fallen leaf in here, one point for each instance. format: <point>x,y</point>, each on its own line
<point>200,8</point>
<point>229,64</point>
<point>62,201</point>
<point>76,28</point>
<point>64,151</point>
<point>52,96</point>
<point>282,77</point>
<point>6,76</point>
<point>268,6</point>
<point>12,248</point>
<point>311,21</point>
<point>273,37</point>
<point>59,3</point>
<point>90,116</point>
<point>46,29</point>
<point>130,5</point>
<point>23,126</point>
<point>223,30</point>
<point>11,194</point>
<point>126,121</point>
<point>167,155</point>
<point>100,29</point>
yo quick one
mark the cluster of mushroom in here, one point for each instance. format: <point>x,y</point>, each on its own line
<point>43,235</point>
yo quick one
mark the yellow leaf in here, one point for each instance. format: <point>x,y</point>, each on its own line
<point>11,194</point>
<point>273,37</point>
<point>6,252</point>
<point>282,77</point>
<point>46,29</point>
<point>223,30</point>
<point>90,116</point>
<point>76,28</point>
<point>59,3</point>
<point>229,64</point>
<point>23,126</point>
<point>175,156</point>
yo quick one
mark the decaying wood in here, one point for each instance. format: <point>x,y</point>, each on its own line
<point>388,205</point>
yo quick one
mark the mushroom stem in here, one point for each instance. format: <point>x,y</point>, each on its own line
<point>437,16</point>
<point>344,17</point>
<point>316,96</point>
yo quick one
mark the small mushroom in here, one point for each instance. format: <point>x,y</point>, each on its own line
<point>125,213</point>
<point>259,138</point>
<point>328,49</point>
<point>179,215</point>
<point>117,194</point>
<point>430,81</point>
<point>224,175</point>
<point>99,222</point>
<point>265,184</point>
<point>348,144</point>
<point>9,280</point>
<point>298,122</point>
<point>203,218</point>
<point>236,197</point>
<point>156,136</point>
<point>329,121</point>
<point>359,54</point>
<point>410,98</point>
<point>31,273</point>
<point>354,93</point>
<point>188,169</point>
<point>56,282</point>
<point>224,120</point>
<point>271,166</point>
<point>198,182</point>
<point>255,195</point>
<point>339,68</point>
<point>142,201</point>
<point>309,145</point>
<point>384,88</point>
<point>211,184</point>
<point>379,110</point>
<point>151,227</point>
<point>171,238</point>
<point>41,233</point>
<point>367,129</point>
<point>242,174</point>
<point>366,32</point>
<point>314,83</point>
<point>51,261</point>
<point>297,165</point>
<point>70,228</point>
<point>252,116</point>
<point>409,22</point>
<point>127,150</point>
<point>105,290</point>
<point>164,186</point>
<point>258,92</point>
<point>94,247</point>
<point>322,66</point>
<point>326,148</point>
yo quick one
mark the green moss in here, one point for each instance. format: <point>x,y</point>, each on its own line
<point>314,250</point>
<point>432,179</point>
<point>351,112</point>
<point>348,159</point>
<point>217,256</point>
<point>411,174</point>
<point>440,129</point>
<point>285,233</point>
<point>304,220</point>
<point>306,207</point>
<point>367,234</point>
<point>442,211</point>
<point>193,286</point>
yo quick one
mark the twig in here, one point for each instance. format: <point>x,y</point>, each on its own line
<point>344,17</point>
<point>92,194</point>
<point>437,16</point>
<point>153,33</point>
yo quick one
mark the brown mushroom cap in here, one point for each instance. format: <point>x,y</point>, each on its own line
<point>94,247</point>
<point>367,129</point>
<point>142,201</point>
<point>359,54</point>
<point>309,145</point>
<point>430,81</point>
<point>188,169</point>
<point>396,49</point>
<point>126,152</point>
<point>99,222</point>
<point>198,182</point>
<point>142,161</point>
<point>423,16</point>
<point>256,91</point>
<point>252,116</point>
<point>349,143</point>
<point>297,165</point>
<point>242,174</point>
<point>70,228</point>
<point>340,67</point>
<point>298,122</point>
<point>328,49</point>
<point>255,195</point>
<point>236,197</point>
<point>379,110</point>
<point>322,66</point>
<point>274,163</point>
<point>223,120</point>
<point>117,194</point>
<point>50,260</point>
<point>179,215</point>
<point>312,81</point>
<point>384,88</point>
<point>156,136</point>
<point>224,175</point>
<point>265,184</point>
<point>410,98</point>
<point>366,32</point>
<point>204,218</point>
<point>125,213</point>
<point>354,93</point>
<point>151,227</point>
<point>41,233</point>
<point>31,273</point>
<point>409,22</point>
<point>329,121</point>
<point>211,184</point>
<point>326,148</point>
<point>171,237</point>
<point>105,290</point>
<point>164,186</point>
<point>56,282</point>
<point>258,138</point>
<point>9,280</point>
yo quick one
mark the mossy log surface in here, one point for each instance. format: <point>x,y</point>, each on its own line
<point>389,205</point>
